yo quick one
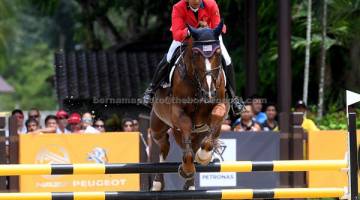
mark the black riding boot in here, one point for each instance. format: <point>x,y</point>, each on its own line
<point>237,103</point>
<point>160,73</point>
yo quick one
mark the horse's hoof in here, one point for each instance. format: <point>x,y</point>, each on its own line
<point>185,175</point>
<point>187,187</point>
<point>191,188</point>
<point>156,186</point>
<point>203,157</point>
<point>189,184</point>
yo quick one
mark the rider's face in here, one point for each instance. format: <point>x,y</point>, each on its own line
<point>194,3</point>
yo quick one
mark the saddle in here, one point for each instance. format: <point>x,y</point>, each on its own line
<point>166,83</point>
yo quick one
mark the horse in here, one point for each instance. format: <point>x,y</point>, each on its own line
<point>195,107</point>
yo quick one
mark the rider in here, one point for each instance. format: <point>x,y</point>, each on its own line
<point>196,13</point>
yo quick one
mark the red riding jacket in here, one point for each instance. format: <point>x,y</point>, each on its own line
<point>182,15</point>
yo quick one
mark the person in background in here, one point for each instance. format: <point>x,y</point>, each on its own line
<point>135,125</point>
<point>62,121</point>
<point>270,123</point>
<point>21,128</point>
<point>127,125</point>
<point>34,113</point>
<point>50,125</point>
<point>31,125</point>
<point>226,125</point>
<point>308,124</point>
<point>87,123</point>
<point>246,122</point>
<point>100,125</point>
<point>75,123</point>
<point>256,104</point>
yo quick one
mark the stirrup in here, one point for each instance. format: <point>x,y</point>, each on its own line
<point>148,96</point>
<point>237,105</point>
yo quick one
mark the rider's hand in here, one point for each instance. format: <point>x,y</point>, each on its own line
<point>203,24</point>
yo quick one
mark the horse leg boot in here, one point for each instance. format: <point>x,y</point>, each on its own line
<point>160,73</point>
<point>205,152</point>
<point>237,105</point>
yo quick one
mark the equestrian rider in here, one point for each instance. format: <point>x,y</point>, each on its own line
<point>196,13</point>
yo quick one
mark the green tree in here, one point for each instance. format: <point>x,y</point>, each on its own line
<point>30,78</point>
<point>6,29</point>
<point>28,62</point>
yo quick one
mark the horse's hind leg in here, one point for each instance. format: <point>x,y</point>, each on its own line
<point>161,137</point>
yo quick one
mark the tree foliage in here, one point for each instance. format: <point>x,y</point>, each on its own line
<point>30,31</point>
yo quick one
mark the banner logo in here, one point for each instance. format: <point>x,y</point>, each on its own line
<point>52,154</point>
<point>98,155</point>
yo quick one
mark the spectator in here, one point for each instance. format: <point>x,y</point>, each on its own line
<point>256,103</point>
<point>135,125</point>
<point>62,121</point>
<point>127,125</point>
<point>270,124</point>
<point>87,123</point>
<point>50,125</point>
<point>226,125</point>
<point>246,122</point>
<point>75,123</point>
<point>34,113</point>
<point>308,124</point>
<point>99,125</point>
<point>21,128</point>
<point>32,125</point>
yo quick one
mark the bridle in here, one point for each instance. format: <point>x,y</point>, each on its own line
<point>206,48</point>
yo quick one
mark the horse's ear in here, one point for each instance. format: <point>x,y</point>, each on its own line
<point>218,29</point>
<point>193,32</point>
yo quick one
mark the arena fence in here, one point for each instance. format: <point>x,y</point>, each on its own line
<point>350,165</point>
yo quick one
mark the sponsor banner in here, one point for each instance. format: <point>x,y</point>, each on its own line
<point>227,152</point>
<point>119,147</point>
<point>328,145</point>
<point>235,146</point>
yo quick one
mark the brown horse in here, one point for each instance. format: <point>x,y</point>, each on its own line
<point>195,107</point>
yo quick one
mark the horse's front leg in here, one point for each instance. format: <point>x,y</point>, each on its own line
<point>183,122</point>
<point>204,153</point>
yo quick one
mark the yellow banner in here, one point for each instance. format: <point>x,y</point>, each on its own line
<point>119,147</point>
<point>328,145</point>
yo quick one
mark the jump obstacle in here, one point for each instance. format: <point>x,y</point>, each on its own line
<point>172,167</point>
<point>177,195</point>
<point>349,165</point>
